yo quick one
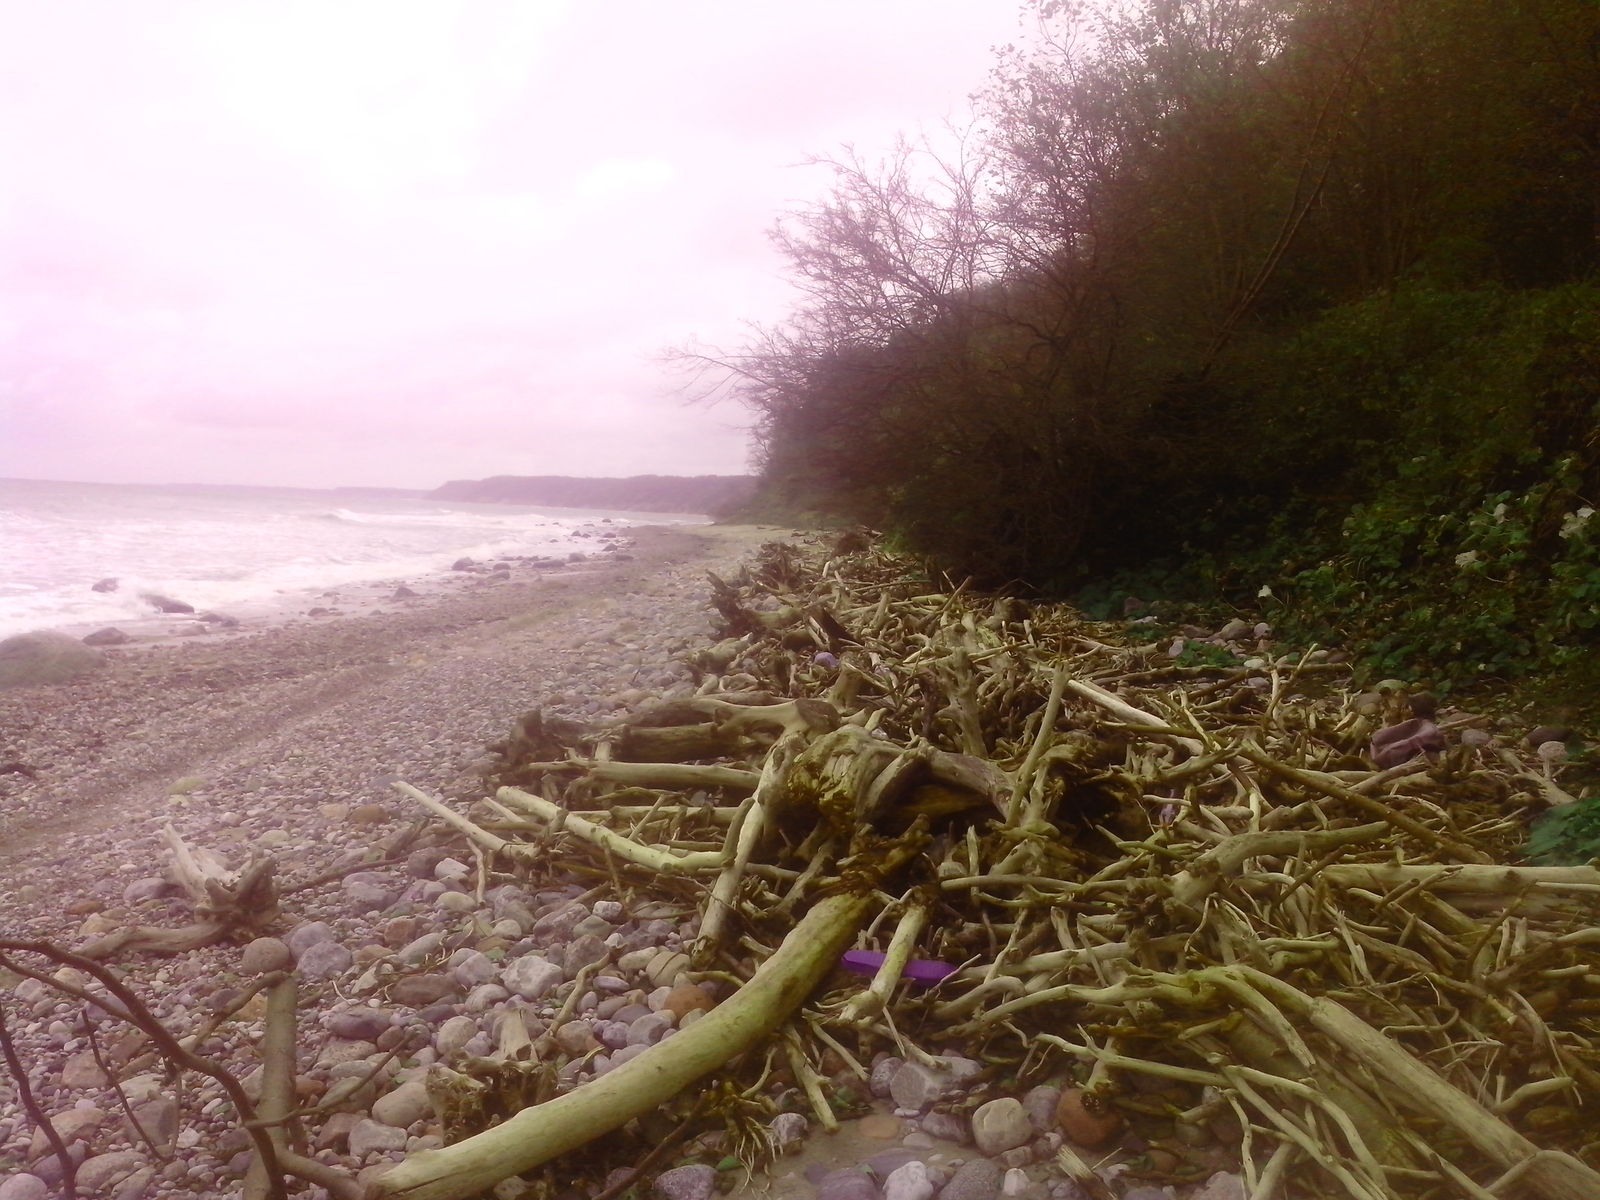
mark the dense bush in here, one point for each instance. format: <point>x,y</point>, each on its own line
<point>1230,294</point>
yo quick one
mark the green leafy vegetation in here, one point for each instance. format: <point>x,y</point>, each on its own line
<point>1286,307</point>
<point>1568,836</point>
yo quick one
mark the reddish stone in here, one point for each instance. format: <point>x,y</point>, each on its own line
<point>1087,1121</point>
<point>687,998</point>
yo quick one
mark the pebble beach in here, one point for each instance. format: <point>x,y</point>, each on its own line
<point>286,740</point>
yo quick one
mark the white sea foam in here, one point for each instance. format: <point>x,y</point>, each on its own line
<point>226,549</point>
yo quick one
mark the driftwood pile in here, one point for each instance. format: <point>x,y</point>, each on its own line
<point>1185,887</point>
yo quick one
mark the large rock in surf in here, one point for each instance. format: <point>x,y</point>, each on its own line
<point>165,604</point>
<point>105,585</point>
<point>109,636</point>
<point>45,657</point>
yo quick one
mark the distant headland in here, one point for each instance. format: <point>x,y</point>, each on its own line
<point>711,494</point>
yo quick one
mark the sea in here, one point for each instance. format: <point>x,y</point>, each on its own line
<point>227,549</point>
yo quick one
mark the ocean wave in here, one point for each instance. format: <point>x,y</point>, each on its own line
<point>441,518</point>
<point>232,553</point>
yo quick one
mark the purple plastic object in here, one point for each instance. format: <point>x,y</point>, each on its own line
<point>924,971</point>
<point>1403,742</point>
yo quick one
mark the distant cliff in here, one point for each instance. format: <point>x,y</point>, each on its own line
<point>711,494</point>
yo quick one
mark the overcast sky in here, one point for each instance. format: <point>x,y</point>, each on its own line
<point>390,243</point>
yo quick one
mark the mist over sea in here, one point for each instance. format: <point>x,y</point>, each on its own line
<point>230,548</point>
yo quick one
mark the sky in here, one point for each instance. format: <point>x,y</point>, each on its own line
<point>338,242</point>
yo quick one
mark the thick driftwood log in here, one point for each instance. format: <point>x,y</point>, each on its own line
<point>538,1134</point>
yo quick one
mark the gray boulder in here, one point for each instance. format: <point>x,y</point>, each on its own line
<point>108,636</point>
<point>107,584</point>
<point>45,657</point>
<point>165,604</point>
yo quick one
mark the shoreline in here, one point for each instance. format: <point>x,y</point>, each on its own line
<point>596,541</point>
<point>165,709</point>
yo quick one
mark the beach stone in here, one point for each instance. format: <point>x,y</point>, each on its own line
<point>531,977</point>
<point>368,891</point>
<point>49,1167</point>
<point>369,1137</point>
<point>470,968</point>
<point>1041,1103</point>
<point>649,1029</point>
<point>325,960</point>
<point>360,1024</point>
<point>420,948</point>
<point>1017,1183</point>
<point>1086,1127</point>
<point>447,869</point>
<point>368,814</point>
<point>584,951</point>
<point>105,1170</point>
<point>610,911</point>
<point>880,1125</point>
<point>165,604</point>
<point>459,903</point>
<point>908,1182</point>
<point>686,1183</point>
<point>453,1035</point>
<point>1001,1125</point>
<point>404,1106</point>
<point>557,925</point>
<point>73,1125</point>
<point>881,1164</point>
<point>947,1127</point>
<point>24,1187</point>
<point>1224,1185</point>
<point>265,954</point>
<point>158,1118</point>
<point>506,930</point>
<point>788,1131</point>
<point>45,657</point>
<point>665,967</point>
<point>420,864</point>
<point>1017,1156</point>
<point>627,1054</point>
<point>916,1085</point>
<point>108,584</point>
<point>109,636</point>
<point>847,1184</point>
<point>419,991</point>
<point>335,1131</point>
<point>962,1070</point>
<point>975,1179</point>
<point>882,1075</point>
<point>307,934</point>
<point>1145,1192</point>
<point>686,998</point>
<point>485,996</point>
<point>593,926</point>
<point>336,1051</point>
<point>575,1038</point>
<point>81,1071</point>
